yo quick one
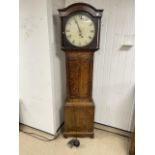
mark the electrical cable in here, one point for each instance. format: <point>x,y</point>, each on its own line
<point>40,137</point>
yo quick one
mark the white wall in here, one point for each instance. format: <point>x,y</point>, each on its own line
<point>113,82</point>
<point>40,96</point>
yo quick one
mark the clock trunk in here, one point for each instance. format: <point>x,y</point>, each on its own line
<point>79,107</point>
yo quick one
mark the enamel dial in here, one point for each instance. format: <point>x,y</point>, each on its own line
<point>80,30</point>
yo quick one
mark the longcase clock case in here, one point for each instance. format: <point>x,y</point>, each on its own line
<point>79,107</point>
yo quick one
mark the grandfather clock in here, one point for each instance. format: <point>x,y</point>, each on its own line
<point>80,35</point>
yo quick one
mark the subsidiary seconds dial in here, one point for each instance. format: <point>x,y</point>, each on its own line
<point>80,30</point>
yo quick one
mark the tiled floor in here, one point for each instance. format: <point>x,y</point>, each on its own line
<point>104,143</point>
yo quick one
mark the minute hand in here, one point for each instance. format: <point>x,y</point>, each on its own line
<point>80,32</point>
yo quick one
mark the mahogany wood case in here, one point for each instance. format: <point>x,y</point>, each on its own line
<point>79,107</point>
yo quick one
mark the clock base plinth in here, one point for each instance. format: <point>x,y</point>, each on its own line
<point>79,119</point>
<point>79,134</point>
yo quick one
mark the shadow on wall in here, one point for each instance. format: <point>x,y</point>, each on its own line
<point>125,48</point>
<point>61,57</point>
<point>21,106</point>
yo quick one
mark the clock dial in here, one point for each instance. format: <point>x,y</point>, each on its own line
<point>80,30</point>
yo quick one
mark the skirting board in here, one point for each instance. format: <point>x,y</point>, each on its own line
<point>112,129</point>
<point>96,125</point>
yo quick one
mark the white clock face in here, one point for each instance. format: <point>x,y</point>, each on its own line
<point>80,30</point>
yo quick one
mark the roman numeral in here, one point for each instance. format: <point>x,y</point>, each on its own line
<point>92,31</point>
<point>80,16</point>
<point>90,37</point>
<point>69,36</point>
<point>67,30</point>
